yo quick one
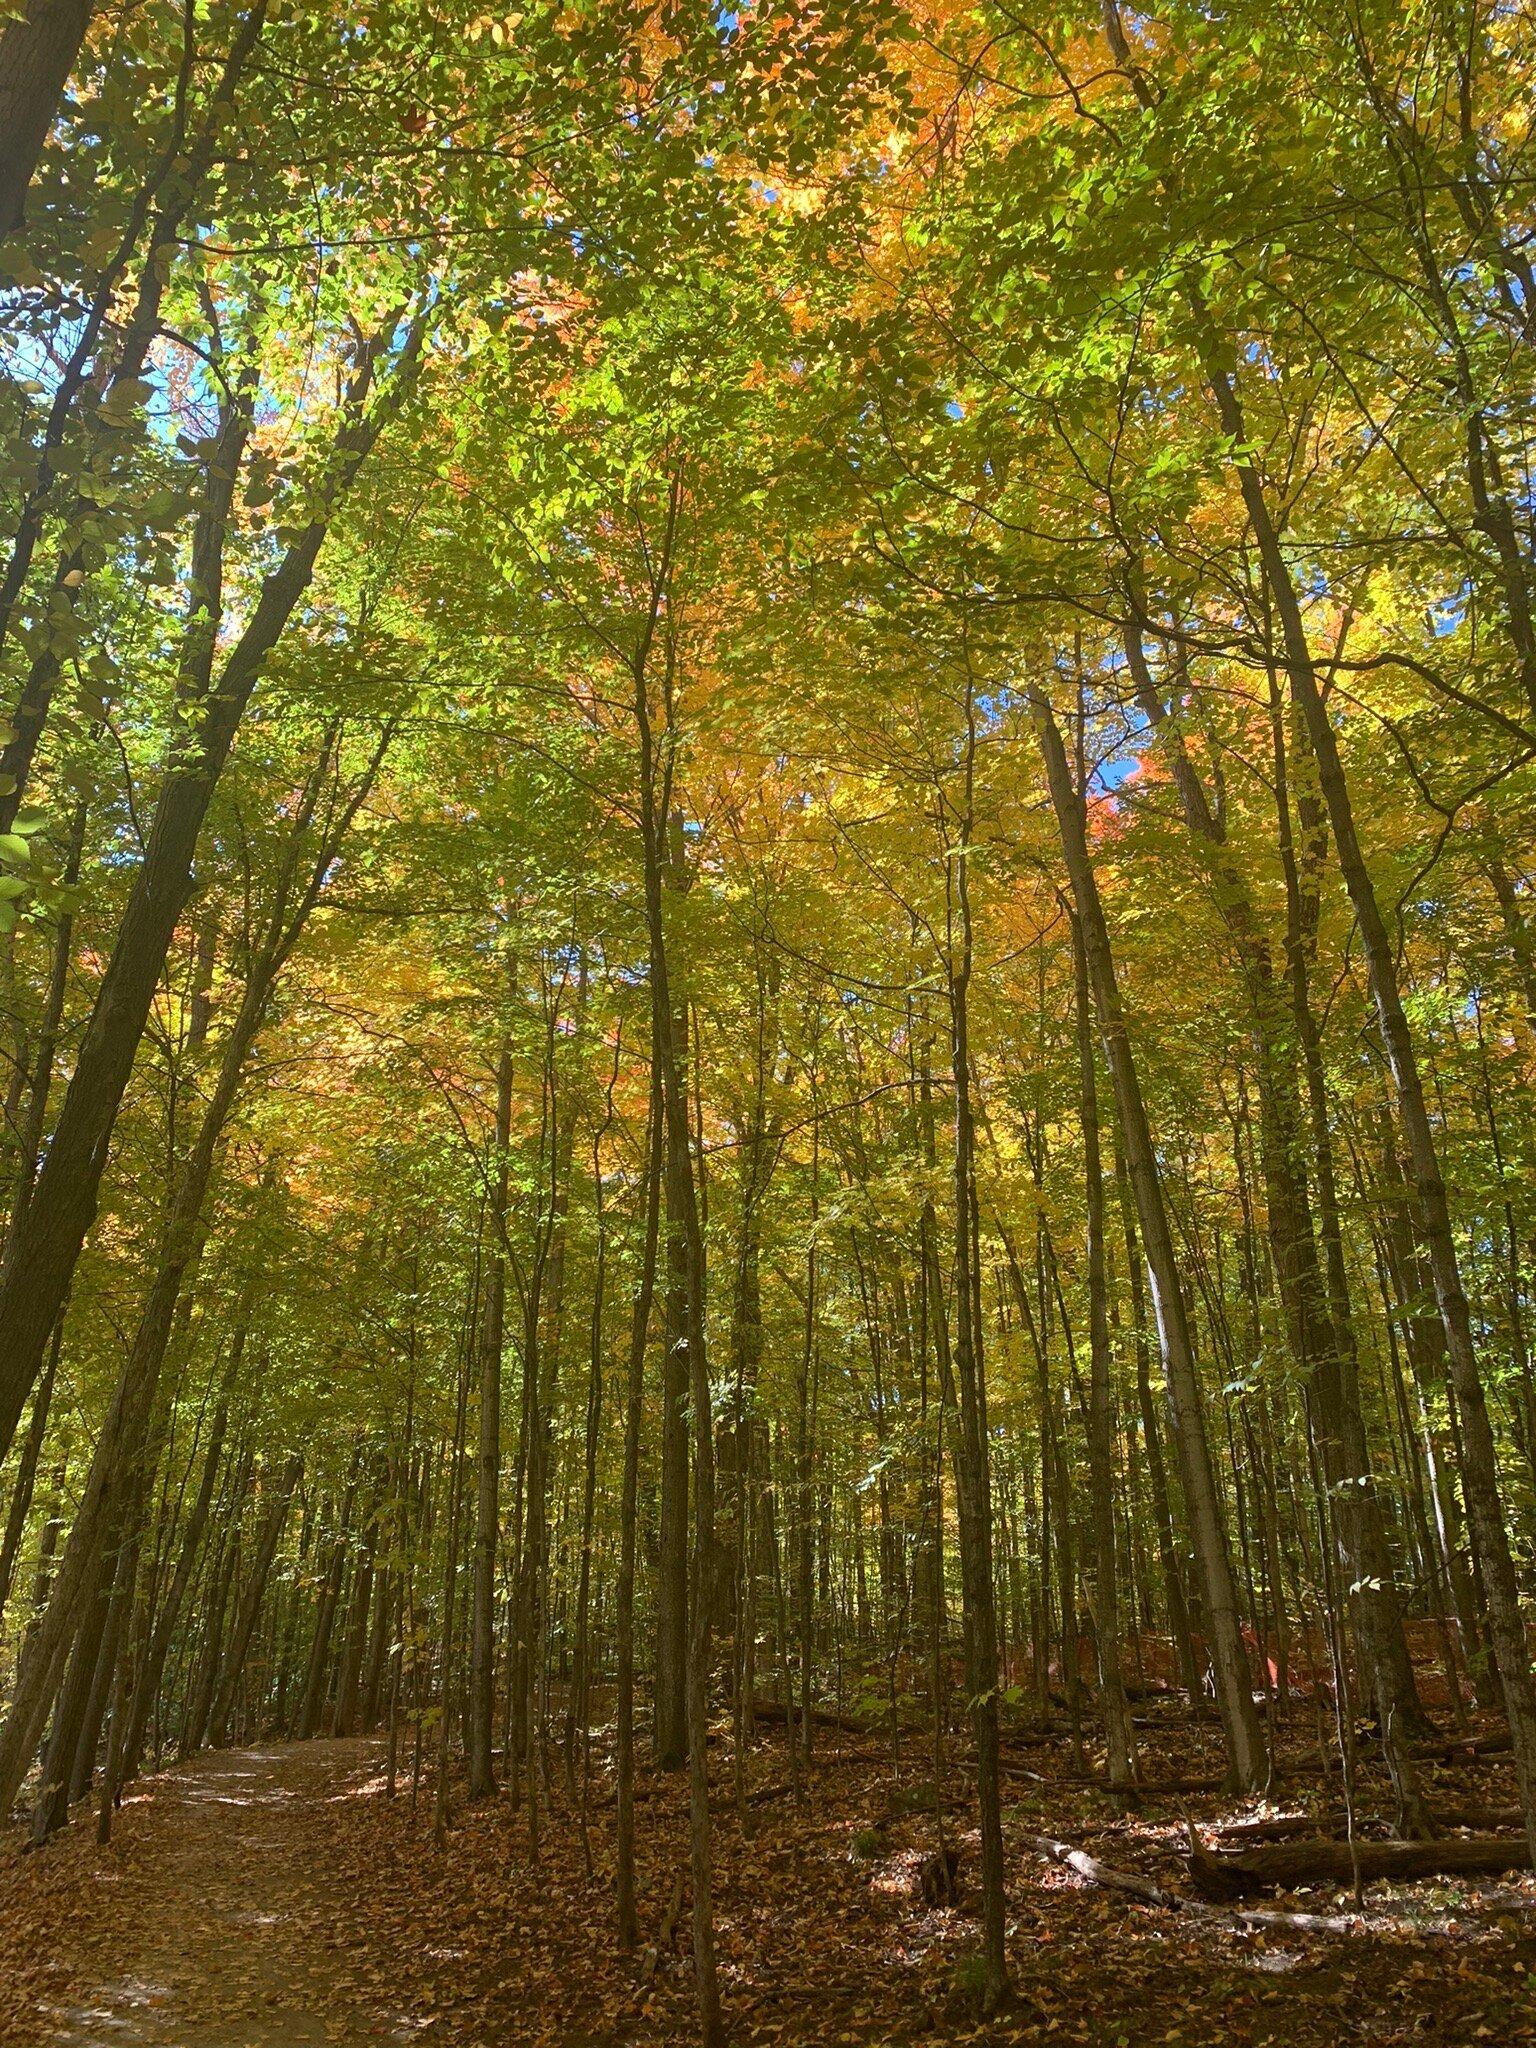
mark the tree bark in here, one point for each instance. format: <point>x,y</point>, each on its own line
<point>38,49</point>
<point>1229,1657</point>
<point>1286,1866</point>
<point>1485,1509</point>
<point>634,1405</point>
<point>63,1205</point>
<point>147,1684</point>
<point>1101,1409</point>
<point>273,1523</point>
<point>972,1466</point>
<point>482,1656</point>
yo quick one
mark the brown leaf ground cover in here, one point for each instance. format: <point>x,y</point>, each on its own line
<point>276,1898</point>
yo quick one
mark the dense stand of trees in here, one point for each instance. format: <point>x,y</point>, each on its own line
<point>768,915</point>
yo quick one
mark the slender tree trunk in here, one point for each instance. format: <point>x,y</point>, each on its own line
<point>26,1470</point>
<point>206,1662</point>
<point>1101,1410</point>
<point>63,1205</point>
<point>662,864</point>
<point>151,1671</point>
<point>634,1405</point>
<point>671,1701</point>
<point>1152,1439</point>
<point>805,1594</point>
<point>269,1535</point>
<point>972,1468</point>
<point>1229,1658</point>
<point>441,1809</point>
<point>317,1671</point>
<point>1485,1507</point>
<point>45,1053</point>
<point>482,1662</point>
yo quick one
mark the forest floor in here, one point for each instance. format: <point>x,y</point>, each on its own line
<point>276,1898</point>
<point>215,1919</point>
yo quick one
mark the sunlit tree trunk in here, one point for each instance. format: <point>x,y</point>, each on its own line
<point>972,1464</point>
<point>38,48</point>
<point>482,1660</point>
<point>1247,1762</point>
<point>1485,1507</point>
<point>1101,1409</point>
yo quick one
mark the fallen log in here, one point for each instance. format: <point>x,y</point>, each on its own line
<point>1459,1748</point>
<point>1278,1827</point>
<point>1104,1875</point>
<point>1135,1886</point>
<point>1146,1788</point>
<point>785,1788</point>
<point>775,1712</point>
<point>1171,1788</point>
<point>1449,1749</point>
<point>1285,1827</point>
<point>1286,1866</point>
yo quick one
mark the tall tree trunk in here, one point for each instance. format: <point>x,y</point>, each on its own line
<point>312,1704</point>
<point>151,1671</point>
<point>1101,1406</point>
<point>207,1660</point>
<point>662,864</point>
<point>671,1663</point>
<point>268,1536</point>
<point>440,1811</point>
<point>63,1206</point>
<point>1321,1344</point>
<point>634,1405</point>
<point>38,48</point>
<point>1485,1508</point>
<point>972,1468</point>
<point>112,1504</point>
<point>482,1656</point>
<point>26,1470</point>
<point>1248,1767</point>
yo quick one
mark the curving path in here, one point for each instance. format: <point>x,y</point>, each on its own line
<point>220,1928</point>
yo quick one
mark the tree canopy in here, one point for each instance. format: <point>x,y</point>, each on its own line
<point>767,902</point>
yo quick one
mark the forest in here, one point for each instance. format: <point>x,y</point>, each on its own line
<point>767,1020</point>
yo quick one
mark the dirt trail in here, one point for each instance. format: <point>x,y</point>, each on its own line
<point>212,1922</point>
